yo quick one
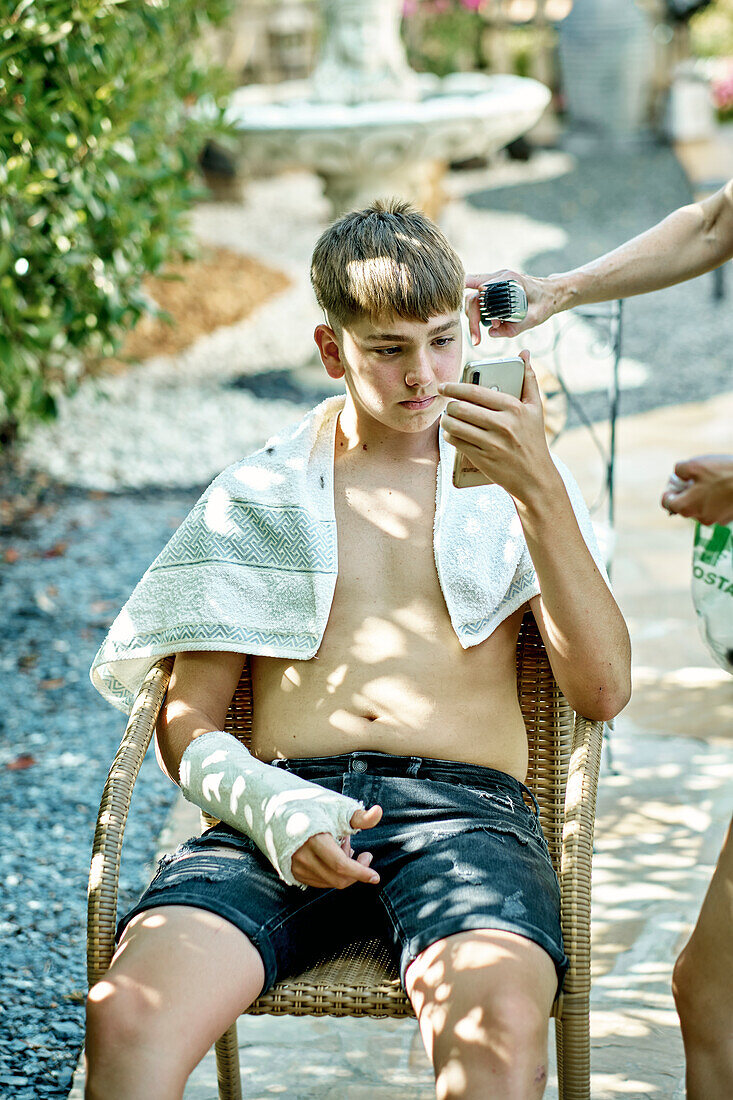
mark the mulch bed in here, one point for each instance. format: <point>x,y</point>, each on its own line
<point>220,287</point>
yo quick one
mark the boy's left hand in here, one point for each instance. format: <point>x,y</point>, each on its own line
<point>502,436</point>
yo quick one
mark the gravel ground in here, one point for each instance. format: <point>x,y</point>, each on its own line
<point>129,456</point>
<point>77,560</point>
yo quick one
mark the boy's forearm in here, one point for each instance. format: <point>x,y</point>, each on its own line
<point>177,727</point>
<point>692,240</point>
<point>585,634</point>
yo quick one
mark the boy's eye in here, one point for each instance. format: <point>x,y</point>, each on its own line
<point>387,352</point>
<point>443,341</point>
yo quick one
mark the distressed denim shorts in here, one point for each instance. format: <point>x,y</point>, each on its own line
<point>459,847</point>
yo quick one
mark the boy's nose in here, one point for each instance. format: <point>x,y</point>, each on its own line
<point>420,371</point>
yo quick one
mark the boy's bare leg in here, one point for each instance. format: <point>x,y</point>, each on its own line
<point>703,988</point>
<point>483,1002</point>
<point>179,978</point>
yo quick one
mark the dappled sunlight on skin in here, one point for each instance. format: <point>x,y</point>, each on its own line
<point>471,1028</point>
<point>452,1081</point>
<point>483,1007</point>
<point>157,920</point>
<point>291,679</point>
<point>394,695</point>
<point>179,978</point>
<point>385,682</point>
<point>152,998</point>
<point>346,722</point>
<point>101,991</point>
<point>395,510</point>
<point>150,923</point>
<point>412,619</point>
<point>336,679</point>
<point>377,640</point>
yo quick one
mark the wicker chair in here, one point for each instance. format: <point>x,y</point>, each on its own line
<point>564,760</point>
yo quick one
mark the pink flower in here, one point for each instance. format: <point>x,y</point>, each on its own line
<point>723,93</point>
<point>473,5</point>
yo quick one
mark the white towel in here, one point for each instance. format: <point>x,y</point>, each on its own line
<point>253,567</point>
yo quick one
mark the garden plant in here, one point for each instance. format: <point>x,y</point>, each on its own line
<point>98,157</point>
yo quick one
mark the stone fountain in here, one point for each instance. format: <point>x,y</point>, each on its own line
<point>369,125</point>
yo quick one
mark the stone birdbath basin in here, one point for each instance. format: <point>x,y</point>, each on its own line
<point>370,126</point>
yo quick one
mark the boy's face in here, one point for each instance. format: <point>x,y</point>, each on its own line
<point>392,366</point>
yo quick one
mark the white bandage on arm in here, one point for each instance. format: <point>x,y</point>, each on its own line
<point>277,809</point>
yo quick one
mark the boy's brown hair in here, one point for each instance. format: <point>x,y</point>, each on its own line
<point>388,259</point>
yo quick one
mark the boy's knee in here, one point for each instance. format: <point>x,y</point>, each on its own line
<point>509,1022</point>
<point>695,995</point>
<point>119,1017</point>
<point>519,1019</point>
<point>503,1039</point>
<point>682,982</point>
<point>133,1048</point>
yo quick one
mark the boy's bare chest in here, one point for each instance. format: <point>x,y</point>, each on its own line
<point>390,673</point>
<point>385,544</point>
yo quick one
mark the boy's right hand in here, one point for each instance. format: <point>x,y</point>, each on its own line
<point>323,863</point>
<point>540,303</point>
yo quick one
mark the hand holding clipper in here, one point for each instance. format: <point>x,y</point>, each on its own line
<point>507,302</point>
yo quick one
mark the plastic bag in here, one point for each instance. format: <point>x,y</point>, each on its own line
<point>712,590</point>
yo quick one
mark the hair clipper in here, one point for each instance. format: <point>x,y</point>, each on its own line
<point>502,301</point>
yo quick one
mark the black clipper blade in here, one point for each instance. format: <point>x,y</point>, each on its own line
<point>502,301</point>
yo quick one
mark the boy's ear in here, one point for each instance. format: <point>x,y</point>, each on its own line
<point>330,351</point>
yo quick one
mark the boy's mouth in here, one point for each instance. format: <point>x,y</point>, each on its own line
<point>423,403</point>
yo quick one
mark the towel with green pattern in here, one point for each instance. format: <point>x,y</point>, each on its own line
<point>253,567</point>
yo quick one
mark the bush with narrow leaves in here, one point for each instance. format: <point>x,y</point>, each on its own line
<point>98,152</point>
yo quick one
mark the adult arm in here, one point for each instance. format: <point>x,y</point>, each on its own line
<point>583,630</point>
<point>200,690</point>
<point>702,489</point>
<point>690,241</point>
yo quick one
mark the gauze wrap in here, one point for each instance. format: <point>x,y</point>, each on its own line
<point>279,811</point>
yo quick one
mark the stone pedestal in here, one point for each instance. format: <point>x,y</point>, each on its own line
<point>419,183</point>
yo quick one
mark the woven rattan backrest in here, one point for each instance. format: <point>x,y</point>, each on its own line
<point>547,716</point>
<point>550,722</point>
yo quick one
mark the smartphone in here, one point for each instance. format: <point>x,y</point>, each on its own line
<point>506,375</point>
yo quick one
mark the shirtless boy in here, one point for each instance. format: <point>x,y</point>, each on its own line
<point>404,705</point>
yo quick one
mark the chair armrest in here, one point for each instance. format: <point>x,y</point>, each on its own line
<point>112,818</point>
<point>577,855</point>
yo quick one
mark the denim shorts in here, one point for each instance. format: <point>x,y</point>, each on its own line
<point>459,847</point>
